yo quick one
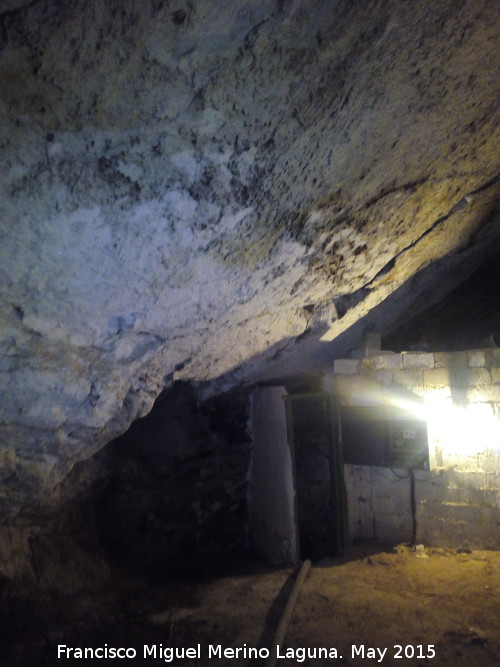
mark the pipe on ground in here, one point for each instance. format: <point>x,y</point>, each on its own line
<point>287,613</point>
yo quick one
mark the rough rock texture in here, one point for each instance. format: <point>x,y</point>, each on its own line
<point>202,190</point>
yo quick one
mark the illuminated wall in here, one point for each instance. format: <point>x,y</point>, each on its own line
<point>458,500</point>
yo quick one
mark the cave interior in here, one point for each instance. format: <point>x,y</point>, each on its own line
<point>249,259</point>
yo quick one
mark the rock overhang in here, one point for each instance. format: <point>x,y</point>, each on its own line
<point>191,192</point>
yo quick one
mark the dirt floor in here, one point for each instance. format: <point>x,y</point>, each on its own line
<point>441,607</point>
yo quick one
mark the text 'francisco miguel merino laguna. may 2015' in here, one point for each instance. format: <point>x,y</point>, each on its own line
<point>217,651</point>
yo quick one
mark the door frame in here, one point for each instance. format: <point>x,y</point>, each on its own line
<point>336,466</point>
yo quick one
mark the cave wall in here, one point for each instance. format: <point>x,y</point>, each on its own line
<point>163,497</point>
<point>189,189</point>
<point>458,499</point>
<point>173,488</point>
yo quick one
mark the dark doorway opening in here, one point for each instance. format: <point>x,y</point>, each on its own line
<point>321,508</point>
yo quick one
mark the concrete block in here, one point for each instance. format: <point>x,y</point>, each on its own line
<point>465,479</point>
<point>436,531</point>
<point>464,463</point>
<point>371,343</point>
<point>485,394</point>
<point>418,360</point>
<point>492,497</point>
<point>493,481</point>
<point>471,377</point>
<point>411,379</point>
<point>424,476</point>
<point>345,366</point>
<point>454,479</point>
<point>469,497</point>
<point>463,512</point>
<point>441,394</point>
<point>495,375</point>
<point>458,496</point>
<point>489,459</point>
<point>483,535</point>
<point>435,378</point>
<point>492,356</point>
<point>358,390</point>
<point>450,359</point>
<point>358,491</point>
<point>476,358</point>
<point>391,506</point>
<point>385,361</point>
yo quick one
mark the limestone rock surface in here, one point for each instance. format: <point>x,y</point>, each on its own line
<point>205,190</point>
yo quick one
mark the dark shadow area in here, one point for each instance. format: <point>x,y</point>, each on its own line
<point>124,610</point>
<point>172,490</point>
<point>140,527</point>
<point>467,318</point>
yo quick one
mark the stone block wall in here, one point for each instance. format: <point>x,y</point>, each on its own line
<point>378,504</point>
<point>458,500</point>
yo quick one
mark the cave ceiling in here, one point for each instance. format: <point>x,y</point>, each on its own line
<point>225,192</point>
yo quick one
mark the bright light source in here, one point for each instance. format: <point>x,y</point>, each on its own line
<point>456,430</point>
<point>461,430</point>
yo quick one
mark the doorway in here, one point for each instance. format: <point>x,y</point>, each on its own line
<point>314,437</point>
<point>297,501</point>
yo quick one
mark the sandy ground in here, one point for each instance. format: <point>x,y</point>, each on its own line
<point>441,607</point>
